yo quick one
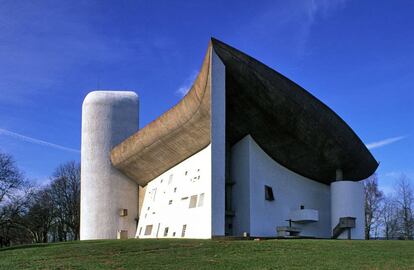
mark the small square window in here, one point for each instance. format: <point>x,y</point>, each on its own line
<point>269,193</point>
<point>169,202</point>
<point>148,230</point>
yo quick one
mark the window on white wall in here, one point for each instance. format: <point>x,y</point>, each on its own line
<point>140,229</point>
<point>183,231</point>
<point>166,231</point>
<point>148,230</point>
<point>170,202</point>
<point>170,179</point>
<point>193,201</point>
<point>154,192</point>
<point>269,193</point>
<point>201,200</point>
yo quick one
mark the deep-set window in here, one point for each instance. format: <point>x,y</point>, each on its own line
<point>269,193</point>
<point>183,231</point>
<point>193,201</point>
<point>148,230</point>
<point>166,231</point>
<point>201,200</point>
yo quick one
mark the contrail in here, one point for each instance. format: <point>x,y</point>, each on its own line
<point>384,142</point>
<point>36,141</point>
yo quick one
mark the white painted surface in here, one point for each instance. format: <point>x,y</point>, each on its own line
<point>304,215</point>
<point>108,118</point>
<point>218,143</point>
<point>167,200</point>
<point>251,170</point>
<point>347,199</point>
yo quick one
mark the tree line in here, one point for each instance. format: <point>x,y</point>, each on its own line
<point>389,216</point>
<point>30,214</point>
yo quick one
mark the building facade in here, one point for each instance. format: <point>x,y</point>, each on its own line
<point>247,152</point>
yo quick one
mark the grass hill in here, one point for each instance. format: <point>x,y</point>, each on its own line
<point>208,254</point>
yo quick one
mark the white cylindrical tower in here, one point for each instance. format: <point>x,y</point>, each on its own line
<point>108,118</point>
<point>347,200</point>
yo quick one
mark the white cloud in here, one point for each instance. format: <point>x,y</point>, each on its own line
<point>384,142</point>
<point>186,85</point>
<point>36,141</point>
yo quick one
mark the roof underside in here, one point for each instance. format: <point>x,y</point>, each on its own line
<point>292,126</point>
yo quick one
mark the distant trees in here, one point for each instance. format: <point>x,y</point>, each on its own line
<point>404,201</point>
<point>373,199</point>
<point>14,196</point>
<point>44,214</point>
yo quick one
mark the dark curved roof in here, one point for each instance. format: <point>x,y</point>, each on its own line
<point>291,126</point>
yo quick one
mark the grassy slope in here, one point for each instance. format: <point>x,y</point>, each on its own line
<point>206,254</point>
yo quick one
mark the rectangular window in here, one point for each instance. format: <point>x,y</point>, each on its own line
<point>269,193</point>
<point>183,231</point>
<point>201,200</point>
<point>154,192</point>
<point>148,230</point>
<point>170,202</point>
<point>140,229</point>
<point>166,231</point>
<point>193,201</point>
<point>170,179</point>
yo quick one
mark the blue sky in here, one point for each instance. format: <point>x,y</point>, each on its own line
<point>355,56</point>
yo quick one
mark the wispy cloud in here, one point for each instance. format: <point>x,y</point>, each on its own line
<point>36,141</point>
<point>186,85</point>
<point>291,22</point>
<point>384,142</point>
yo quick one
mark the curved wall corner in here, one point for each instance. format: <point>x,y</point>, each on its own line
<point>347,200</point>
<point>108,118</point>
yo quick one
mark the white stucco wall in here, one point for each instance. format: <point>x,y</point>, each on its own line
<point>108,118</point>
<point>251,170</point>
<point>190,177</point>
<point>348,201</point>
<point>218,143</point>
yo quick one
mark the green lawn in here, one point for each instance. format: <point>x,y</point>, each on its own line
<point>208,254</point>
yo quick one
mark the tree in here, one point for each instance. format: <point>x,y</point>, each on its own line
<point>65,193</point>
<point>405,200</point>
<point>40,215</point>
<point>11,179</point>
<point>373,198</point>
<point>389,218</point>
<point>14,192</point>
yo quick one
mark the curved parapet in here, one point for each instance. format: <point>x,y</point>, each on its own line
<point>174,136</point>
<point>291,125</point>
<point>108,118</point>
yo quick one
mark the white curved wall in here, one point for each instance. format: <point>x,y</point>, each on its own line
<point>108,118</point>
<point>347,200</point>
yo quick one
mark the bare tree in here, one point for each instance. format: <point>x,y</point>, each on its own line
<point>389,218</point>
<point>14,193</point>
<point>65,192</point>
<point>40,215</point>
<point>405,201</point>
<point>11,179</point>
<point>373,198</point>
